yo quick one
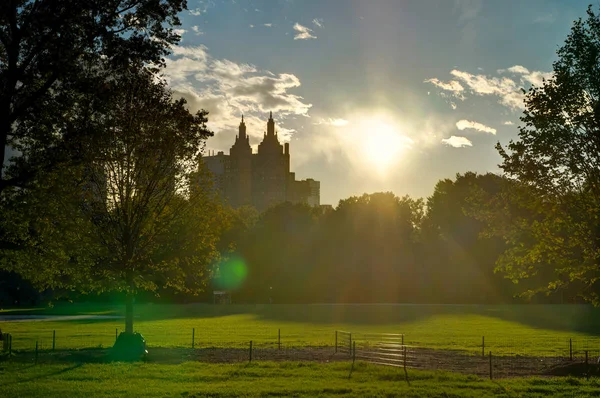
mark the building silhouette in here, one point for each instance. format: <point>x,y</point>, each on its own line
<point>261,179</point>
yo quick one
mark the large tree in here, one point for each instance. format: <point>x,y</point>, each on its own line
<point>49,56</point>
<point>557,157</point>
<point>139,216</point>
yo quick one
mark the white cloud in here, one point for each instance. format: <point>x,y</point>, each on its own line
<point>333,122</point>
<point>227,89</point>
<point>268,25</point>
<point>534,77</point>
<point>180,32</point>
<point>537,78</point>
<point>203,6</point>
<point>467,124</point>
<point>508,123</point>
<point>197,30</point>
<point>518,69</point>
<point>304,33</point>
<point>251,26</point>
<point>452,85</point>
<point>457,142</point>
<point>318,22</point>
<point>507,89</point>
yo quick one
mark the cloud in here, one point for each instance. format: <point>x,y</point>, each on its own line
<point>318,22</point>
<point>457,142</point>
<point>251,26</point>
<point>268,25</point>
<point>452,85</point>
<point>179,32</point>
<point>508,123</point>
<point>203,6</point>
<point>467,124</point>
<point>227,89</point>
<point>506,89</point>
<point>304,33</point>
<point>197,30</point>
<point>518,69</point>
<point>333,122</point>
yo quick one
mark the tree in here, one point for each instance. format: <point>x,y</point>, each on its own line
<point>557,156</point>
<point>139,216</point>
<point>458,258</point>
<point>49,52</point>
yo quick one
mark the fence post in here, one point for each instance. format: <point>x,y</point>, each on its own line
<point>336,341</point>
<point>116,334</point>
<point>491,374</point>
<point>250,355</point>
<point>402,338</point>
<point>193,336</point>
<point>570,349</point>
<point>483,346</point>
<point>404,355</point>
<point>353,352</point>
<point>36,352</point>
<point>279,339</point>
<point>350,341</point>
<point>53,340</point>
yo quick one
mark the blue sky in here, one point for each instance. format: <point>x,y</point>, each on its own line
<point>372,95</point>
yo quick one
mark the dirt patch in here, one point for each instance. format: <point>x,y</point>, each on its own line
<point>424,358</point>
<point>576,369</point>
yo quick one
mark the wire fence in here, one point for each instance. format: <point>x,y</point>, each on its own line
<point>489,356</point>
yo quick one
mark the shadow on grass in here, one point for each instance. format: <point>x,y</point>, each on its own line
<point>577,318</point>
<point>43,375</point>
<point>176,356</point>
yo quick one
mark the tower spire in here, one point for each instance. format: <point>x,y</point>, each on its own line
<point>242,129</point>
<point>270,125</point>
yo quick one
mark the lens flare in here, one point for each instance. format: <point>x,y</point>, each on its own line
<point>232,274</point>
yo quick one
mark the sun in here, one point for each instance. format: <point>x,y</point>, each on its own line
<point>383,145</point>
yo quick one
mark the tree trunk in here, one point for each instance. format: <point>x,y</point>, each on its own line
<point>129,302</point>
<point>129,312</point>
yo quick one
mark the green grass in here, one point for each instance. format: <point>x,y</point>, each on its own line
<point>525,330</point>
<point>192,379</point>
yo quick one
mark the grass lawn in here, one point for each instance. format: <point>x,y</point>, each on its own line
<point>193,379</point>
<point>526,330</point>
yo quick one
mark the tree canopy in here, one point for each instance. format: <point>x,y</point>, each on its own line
<point>50,52</point>
<point>139,216</point>
<point>557,157</point>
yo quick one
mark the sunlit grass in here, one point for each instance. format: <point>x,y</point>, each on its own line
<point>267,379</point>
<point>523,330</point>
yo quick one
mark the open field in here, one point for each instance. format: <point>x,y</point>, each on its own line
<point>192,379</point>
<point>537,330</point>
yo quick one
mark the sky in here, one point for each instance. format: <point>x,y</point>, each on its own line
<point>371,95</point>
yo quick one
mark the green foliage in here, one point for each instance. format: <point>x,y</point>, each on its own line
<point>554,235</point>
<point>51,53</point>
<point>137,216</point>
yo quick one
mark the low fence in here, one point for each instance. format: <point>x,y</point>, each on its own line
<point>385,349</point>
<point>487,357</point>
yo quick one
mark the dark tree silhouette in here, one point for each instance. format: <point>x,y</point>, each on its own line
<point>557,155</point>
<point>50,52</point>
